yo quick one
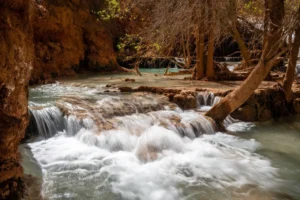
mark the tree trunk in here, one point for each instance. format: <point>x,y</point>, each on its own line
<point>199,54</point>
<point>266,21</point>
<point>167,70</point>
<point>244,50</point>
<point>210,74</point>
<point>290,73</point>
<point>188,52</point>
<point>137,69</point>
<point>240,95</point>
<point>184,51</point>
<point>269,57</point>
<point>236,34</point>
<point>200,47</point>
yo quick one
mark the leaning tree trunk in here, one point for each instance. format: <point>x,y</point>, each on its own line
<point>240,95</point>
<point>290,73</point>
<point>269,57</point>
<point>244,50</point>
<point>236,34</point>
<point>210,74</point>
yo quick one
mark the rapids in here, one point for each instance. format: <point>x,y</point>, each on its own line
<point>92,145</point>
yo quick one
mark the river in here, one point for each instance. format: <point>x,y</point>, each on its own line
<point>91,144</point>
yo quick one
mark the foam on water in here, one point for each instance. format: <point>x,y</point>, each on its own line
<point>157,164</point>
<point>152,155</point>
<point>206,100</point>
<point>50,120</point>
<point>240,126</point>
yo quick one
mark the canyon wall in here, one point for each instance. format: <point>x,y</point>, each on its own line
<point>69,38</point>
<point>41,40</point>
<point>16,53</point>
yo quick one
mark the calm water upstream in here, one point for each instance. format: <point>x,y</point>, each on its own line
<point>96,145</point>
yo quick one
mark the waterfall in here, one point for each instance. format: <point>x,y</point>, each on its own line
<point>112,164</point>
<point>132,115</point>
<point>46,121</point>
<point>97,145</point>
<point>206,100</point>
<point>105,146</point>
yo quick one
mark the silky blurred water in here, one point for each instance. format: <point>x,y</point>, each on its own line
<point>154,150</point>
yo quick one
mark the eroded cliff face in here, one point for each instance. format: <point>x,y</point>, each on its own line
<point>39,41</point>
<point>69,38</point>
<point>16,53</point>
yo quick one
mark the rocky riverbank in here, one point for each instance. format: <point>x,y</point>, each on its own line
<point>268,102</point>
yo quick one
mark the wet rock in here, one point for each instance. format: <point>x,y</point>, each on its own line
<point>185,101</point>
<point>191,102</point>
<point>179,100</point>
<point>129,80</point>
<point>263,105</point>
<point>33,187</point>
<point>101,112</point>
<point>296,105</point>
<point>125,89</point>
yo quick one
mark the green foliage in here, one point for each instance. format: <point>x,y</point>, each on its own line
<point>253,7</point>
<point>129,42</point>
<point>112,11</point>
<point>157,46</point>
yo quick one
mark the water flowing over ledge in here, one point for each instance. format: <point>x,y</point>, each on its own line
<point>141,146</point>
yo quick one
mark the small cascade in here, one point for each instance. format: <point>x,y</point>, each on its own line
<point>206,100</point>
<point>45,122</point>
<point>113,143</point>
<point>113,113</point>
<point>147,148</point>
<point>93,144</point>
<point>185,124</point>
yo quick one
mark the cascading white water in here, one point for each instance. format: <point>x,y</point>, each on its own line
<point>146,153</point>
<point>153,156</point>
<point>155,164</point>
<point>86,113</point>
<point>206,100</point>
<point>48,121</point>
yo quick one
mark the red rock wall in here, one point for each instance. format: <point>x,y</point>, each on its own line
<point>16,53</point>
<point>41,40</point>
<point>68,38</point>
